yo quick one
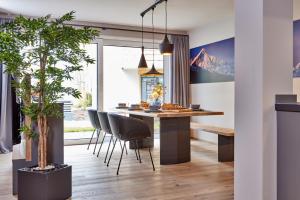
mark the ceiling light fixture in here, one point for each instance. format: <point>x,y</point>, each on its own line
<point>153,71</point>
<point>166,48</point>
<point>143,62</point>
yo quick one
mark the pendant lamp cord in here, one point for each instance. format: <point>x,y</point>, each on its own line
<point>166,11</point>
<point>142,31</point>
<point>153,33</point>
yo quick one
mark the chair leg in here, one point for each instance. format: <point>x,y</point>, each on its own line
<point>91,139</point>
<point>111,138</point>
<point>138,150</point>
<point>125,148</point>
<point>137,158</point>
<point>151,159</point>
<point>98,134</point>
<point>122,147</point>
<point>101,144</point>
<point>121,158</point>
<point>111,152</point>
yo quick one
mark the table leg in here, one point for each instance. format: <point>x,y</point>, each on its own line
<point>145,143</point>
<point>175,141</point>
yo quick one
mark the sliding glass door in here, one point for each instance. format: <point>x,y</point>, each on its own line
<point>77,126</point>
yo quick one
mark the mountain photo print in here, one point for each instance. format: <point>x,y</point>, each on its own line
<point>213,62</point>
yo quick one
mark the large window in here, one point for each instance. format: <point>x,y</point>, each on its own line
<point>122,82</point>
<point>76,121</point>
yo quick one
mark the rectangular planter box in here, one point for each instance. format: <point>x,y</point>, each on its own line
<point>53,185</point>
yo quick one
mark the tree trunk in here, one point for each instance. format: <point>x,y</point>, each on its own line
<point>42,148</point>
<point>27,122</point>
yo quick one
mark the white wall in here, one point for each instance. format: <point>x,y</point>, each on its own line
<point>213,96</point>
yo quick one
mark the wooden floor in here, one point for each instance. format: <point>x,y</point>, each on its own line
<point>203,178</point>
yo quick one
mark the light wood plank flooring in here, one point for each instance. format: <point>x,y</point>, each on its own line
<point>203,178</point>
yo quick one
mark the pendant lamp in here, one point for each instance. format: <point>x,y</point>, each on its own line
<point>166,48</point>
<point>153,71</point>
<point>142,63</point>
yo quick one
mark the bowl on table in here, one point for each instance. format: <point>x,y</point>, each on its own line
<point>135,107</point>
<point>122,105</point>
<point>195,106</point>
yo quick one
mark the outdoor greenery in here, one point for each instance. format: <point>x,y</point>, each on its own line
<point>41,53</point>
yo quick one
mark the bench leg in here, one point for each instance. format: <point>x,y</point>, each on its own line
<point>225,148</point>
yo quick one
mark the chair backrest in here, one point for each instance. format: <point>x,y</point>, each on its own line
<point>128,128</point>
<point>103,119</point>
<point>94,119</point>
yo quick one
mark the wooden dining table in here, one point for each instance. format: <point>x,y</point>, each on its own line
<point>174,129</point>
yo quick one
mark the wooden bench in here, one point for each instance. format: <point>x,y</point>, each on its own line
<point>225,140</point>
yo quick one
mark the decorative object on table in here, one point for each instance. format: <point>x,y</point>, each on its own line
<point>145,104</point>
<point>166,48</point>
<point>31,49</point>
<point>170,106</point>
<point>212,62</point>
<point>157,95</point>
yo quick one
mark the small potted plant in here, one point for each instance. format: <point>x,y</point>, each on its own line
<point>40,53</point>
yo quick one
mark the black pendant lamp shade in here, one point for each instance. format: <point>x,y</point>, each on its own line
<point>166,48</point>
<point>153,72</point>
<point>143,62</point>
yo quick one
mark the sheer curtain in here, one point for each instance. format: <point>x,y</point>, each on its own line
<point>180,71</point>
<point>6,143</point>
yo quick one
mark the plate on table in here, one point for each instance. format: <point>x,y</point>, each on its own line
<point>200,109</point>
<point>121,107</point>
<point>135,109</point>
<point>152,111</point>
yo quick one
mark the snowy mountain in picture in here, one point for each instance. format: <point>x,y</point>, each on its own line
<point>213,62</point>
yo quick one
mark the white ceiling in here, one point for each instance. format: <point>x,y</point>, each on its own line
<point>184,15</point>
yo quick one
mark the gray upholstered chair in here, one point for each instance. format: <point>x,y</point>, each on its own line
<point>96,125</point>
<point>103,119</point>
<point>128,129</point>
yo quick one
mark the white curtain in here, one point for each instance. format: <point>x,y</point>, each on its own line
<point>6,114</point>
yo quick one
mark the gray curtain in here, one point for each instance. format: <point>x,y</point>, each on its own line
<point>6,143</point>
<point>180,71</point>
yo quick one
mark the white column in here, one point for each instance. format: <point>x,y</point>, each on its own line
<point>263,68</point>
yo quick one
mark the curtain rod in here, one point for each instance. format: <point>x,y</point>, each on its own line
<point>125,29</point>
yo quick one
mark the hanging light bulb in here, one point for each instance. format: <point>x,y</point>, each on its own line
<point>166,48</point>
<point>143,63</point>
<point>153,71</point>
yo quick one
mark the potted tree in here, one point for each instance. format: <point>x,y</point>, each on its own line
<point>41,53</point>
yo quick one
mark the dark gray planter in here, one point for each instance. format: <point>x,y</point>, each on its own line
<point>52,185</point>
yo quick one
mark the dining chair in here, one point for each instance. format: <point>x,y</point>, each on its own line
<point>128,129</point>
<point>96,125</point>
<point>103,119</point>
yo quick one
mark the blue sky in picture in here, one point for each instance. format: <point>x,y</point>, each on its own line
<point>212,62</point>
<point>296,72</point>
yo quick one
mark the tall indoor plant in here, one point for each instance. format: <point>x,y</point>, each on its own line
<point>41,53</point>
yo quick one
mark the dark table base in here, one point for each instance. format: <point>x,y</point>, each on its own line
<point>175,145</point>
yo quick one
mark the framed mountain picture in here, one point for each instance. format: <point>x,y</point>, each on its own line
<point>212,62</point>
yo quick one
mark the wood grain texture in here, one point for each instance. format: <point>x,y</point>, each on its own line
<point>213,129</point>
<point>203,178</point>
<point>169,114</point>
